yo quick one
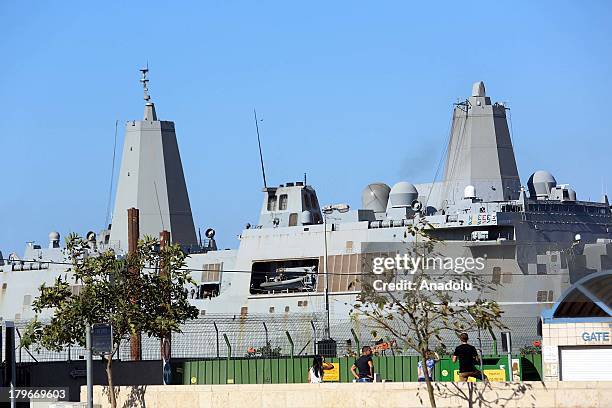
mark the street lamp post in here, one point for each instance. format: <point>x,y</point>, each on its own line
<point>327,210</point>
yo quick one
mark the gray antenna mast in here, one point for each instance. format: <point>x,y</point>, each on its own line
<point>145,82</point>
<point>263,170</point>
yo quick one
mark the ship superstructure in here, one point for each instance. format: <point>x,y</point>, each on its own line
<point>535,240</point>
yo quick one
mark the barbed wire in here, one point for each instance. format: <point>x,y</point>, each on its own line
<point>259,336</point>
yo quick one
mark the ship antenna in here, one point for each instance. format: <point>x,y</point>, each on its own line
<point>145,82</point>
<point>110,189</point>
<point>263,170</point>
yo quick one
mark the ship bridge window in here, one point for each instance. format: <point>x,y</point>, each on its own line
<point>282,203</point>
<point>272,202</point>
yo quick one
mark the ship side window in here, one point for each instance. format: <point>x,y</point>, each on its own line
<point>542,296</point>
<point>496,275</point>
<point>282,202</point>
<point>293,217</point>
<point>272,202</point>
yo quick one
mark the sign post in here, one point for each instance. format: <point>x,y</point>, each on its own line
<point>98,340</point>
<point>507,346</point>
<point>89,365</point>
<point>102,338</point>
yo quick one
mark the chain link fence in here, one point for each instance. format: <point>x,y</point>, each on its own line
<point>257,336</point>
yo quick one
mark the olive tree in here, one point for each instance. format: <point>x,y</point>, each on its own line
<point>128,292</point>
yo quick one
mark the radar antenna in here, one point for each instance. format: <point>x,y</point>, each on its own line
<point>263,170</point>
<point>145,82</point>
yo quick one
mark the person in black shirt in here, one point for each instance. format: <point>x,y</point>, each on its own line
<point>363,368</point>
<point>467,356</point>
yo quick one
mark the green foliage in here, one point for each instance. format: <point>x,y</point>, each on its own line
<point>266,351</point>
<point>533,349</point>
<point>417,317</point>
<point>129,293</point>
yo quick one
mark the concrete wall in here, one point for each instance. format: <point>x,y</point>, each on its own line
<point>555,335</point>
<point>526,394</point>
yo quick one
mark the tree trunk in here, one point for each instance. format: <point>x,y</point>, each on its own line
<point>109,377</point>
<point>430,390</point>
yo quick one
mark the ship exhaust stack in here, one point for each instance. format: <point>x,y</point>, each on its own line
<point>151,179</point>
<point>480,152</point>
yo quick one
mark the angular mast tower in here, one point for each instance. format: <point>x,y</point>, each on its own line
<point>480,151</point>
<point>151,179</point>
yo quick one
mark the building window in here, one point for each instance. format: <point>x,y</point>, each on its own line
<point>496,275</point>
<point>244,311</point>
<point>550,295</point>
<point>293,218</point>
<point>271,309</point>
<point>282,203</point>
<point>286,309</point>
<point>542,296</point>
<point>271,203</point>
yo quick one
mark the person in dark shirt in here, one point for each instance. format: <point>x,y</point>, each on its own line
<point>467,356</point>
<point>363,368</point>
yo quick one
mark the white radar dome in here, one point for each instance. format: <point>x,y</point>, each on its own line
<point>375,197</point>
<point>541,183</point>
<point>403,194</point>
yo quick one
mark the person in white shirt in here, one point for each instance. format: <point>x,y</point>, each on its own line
<point>316,371</point>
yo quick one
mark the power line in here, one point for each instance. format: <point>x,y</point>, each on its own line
<point>267,272</point>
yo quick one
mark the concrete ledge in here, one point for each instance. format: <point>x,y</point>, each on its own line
<point>405,395</point>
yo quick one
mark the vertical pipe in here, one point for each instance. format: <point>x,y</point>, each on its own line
<point>166,340</point>
<point>10,359</point>
<point>325,262</point>
<point>314,338</point>
<point>229,347</point>
<point>266,331</point>
<point>133,235</point>
<point>89,365</point>
<point>290,343</point>
<point>494,341</point>
<point>217,330</point>
<point>356,340</point>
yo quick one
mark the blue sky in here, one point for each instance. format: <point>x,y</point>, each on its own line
<point>349,92</point>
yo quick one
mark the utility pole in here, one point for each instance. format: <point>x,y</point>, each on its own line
<point>89,365</point>
<point>166,341</point>
<point>9,355</point>
<point>133,235</point>
<point>326,282</point>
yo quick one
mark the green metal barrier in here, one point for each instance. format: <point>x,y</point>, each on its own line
<point>295,370</point>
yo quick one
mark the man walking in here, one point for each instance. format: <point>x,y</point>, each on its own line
<point>467,355</point>
<point>363,368</point>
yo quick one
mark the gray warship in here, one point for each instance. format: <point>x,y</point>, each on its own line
<point>537,239</point>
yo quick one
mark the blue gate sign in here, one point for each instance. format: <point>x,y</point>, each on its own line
<point>101,338</point>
